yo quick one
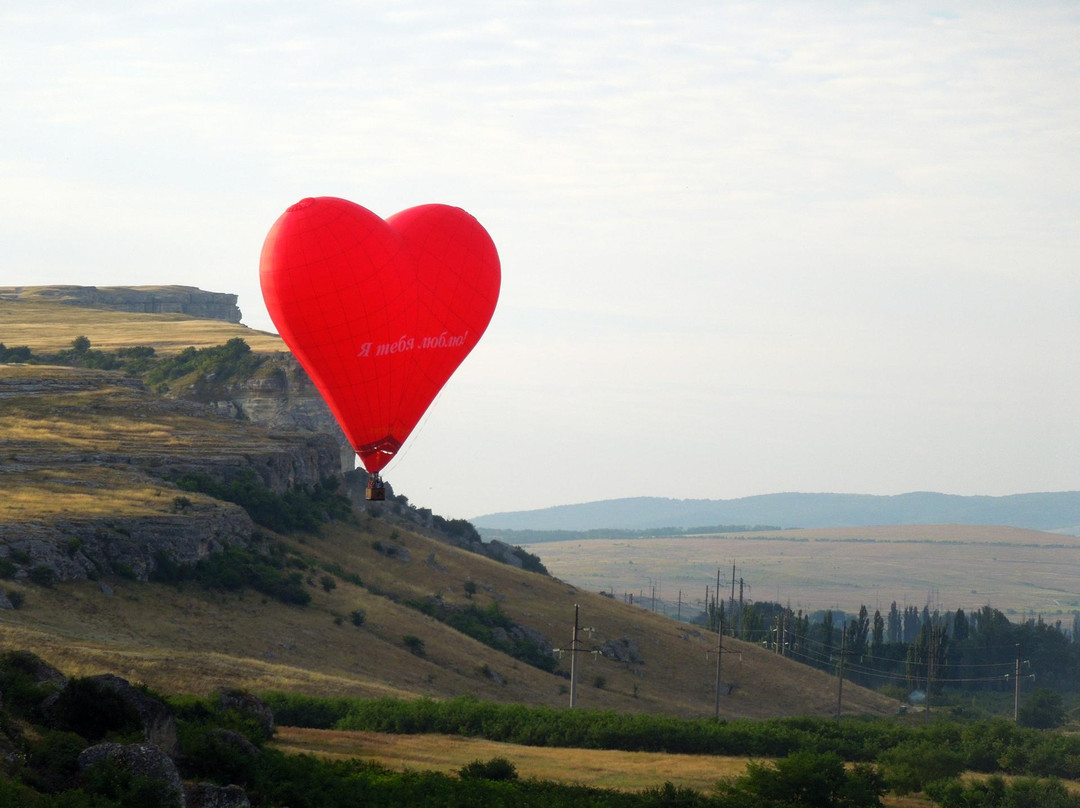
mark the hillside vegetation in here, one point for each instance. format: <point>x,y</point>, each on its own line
<point>390,609</point>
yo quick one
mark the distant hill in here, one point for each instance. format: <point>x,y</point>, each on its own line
<point>1059,511</point>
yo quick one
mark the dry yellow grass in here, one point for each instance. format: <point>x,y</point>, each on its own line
<point>85,492</point>
<point>49,327</point>
<point>1014,570</point>
<point>623,771</point>
<point>191,640</point>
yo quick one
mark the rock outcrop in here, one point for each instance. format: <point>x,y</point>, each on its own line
<point>103,436</point>
<point>286,400</point>
<point>157,720</point>
<point>143,760</point>
<point>139,299</point>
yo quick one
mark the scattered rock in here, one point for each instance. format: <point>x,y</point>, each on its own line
<point>235,740</point>
<point>392,550</point>
<point>623,650</point>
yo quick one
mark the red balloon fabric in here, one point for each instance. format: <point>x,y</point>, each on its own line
<point>379,313</point>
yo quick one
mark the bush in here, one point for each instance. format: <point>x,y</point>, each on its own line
<point>298,509</point>
<point>94,711</point>
<point>805,778</point>
<point>498,768</point>
<point>910,767</point>
<point>414,644</point>
<point>358,617</point>
<point>1043,709</point>
<point>15,598</point>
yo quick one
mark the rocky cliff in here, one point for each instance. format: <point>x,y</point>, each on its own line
<point>88,459</point>
<point>284,399</point>
<point>139,299</point>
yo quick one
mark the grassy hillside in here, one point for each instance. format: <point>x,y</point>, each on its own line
<point>190,639</point>
<point>49,327</point>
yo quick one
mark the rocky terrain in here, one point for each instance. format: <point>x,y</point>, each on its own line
<point>140,299</point>
<point>89,460</point>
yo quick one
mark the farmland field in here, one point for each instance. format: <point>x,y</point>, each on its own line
<point>1020,572</point>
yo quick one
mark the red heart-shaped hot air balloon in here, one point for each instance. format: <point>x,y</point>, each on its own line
<point>379,313</point>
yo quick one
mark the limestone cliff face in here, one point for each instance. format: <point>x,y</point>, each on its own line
<point>286,400</point>
<point>139,299</point>
<point>101,438</point>
<point>77,549</point>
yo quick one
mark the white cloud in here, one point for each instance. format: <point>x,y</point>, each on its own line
<point>834,242</point>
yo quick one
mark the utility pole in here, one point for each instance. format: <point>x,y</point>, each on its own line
<point>732,598</point>
<point>930,653</point>
<point>719,654</point>
<point>573,662</point>
<point>840,685</point>
<point>740,607</point>
<point>1016,688</point>
<point>718,598</point>
<point>679,613</point>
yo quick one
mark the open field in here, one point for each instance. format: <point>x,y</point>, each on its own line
<point>1018,571</point>
<point>622,771</point>
<point>47,327</point>
<point>625,771</point>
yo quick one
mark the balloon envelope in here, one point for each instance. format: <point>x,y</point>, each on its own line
<point>379,313</point>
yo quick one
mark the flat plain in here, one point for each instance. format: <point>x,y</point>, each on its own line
<point>1020,572</point>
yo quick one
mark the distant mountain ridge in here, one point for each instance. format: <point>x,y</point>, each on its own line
<point>1053,511</point>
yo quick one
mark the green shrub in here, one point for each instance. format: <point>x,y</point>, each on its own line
<point>911,766</point>
<point>805,778</point>
<point>358,617</point>
<point>94,711</point>
<point>298,509</point>
<point>414,644</point>
<point>497,768</point>
<point>1043,709</point>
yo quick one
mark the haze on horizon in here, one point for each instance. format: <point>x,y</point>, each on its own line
<point>747,248</point>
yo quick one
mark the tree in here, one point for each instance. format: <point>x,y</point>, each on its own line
<point>960,626</point>
<point>80,344</point>
<point>1044,709</point>
<point>877,642</point>
<point>895,632</point>
<point>827,632</point>
<point>805,778</point>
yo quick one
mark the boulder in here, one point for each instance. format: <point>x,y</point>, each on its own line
<point>231,698</point>
<point>158,723</point>
<point>142,760</point>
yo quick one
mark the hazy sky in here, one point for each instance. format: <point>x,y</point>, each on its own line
<point>746,247</point>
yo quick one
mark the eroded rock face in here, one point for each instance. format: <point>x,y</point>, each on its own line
<point>128,546</point>
<point>93,452</point>
<point>287,400</point>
